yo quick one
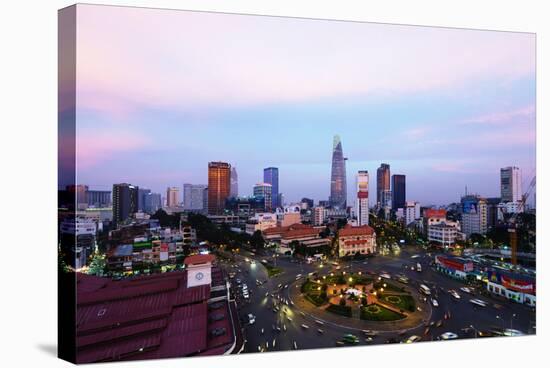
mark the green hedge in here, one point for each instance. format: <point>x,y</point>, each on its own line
<point>342,310</point>
<point>376,312</point>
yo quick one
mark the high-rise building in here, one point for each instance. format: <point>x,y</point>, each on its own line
<point>386,199</point>
<point>382,184</point>
<point>412,212</point>
<point>362,200</point>
<point>318,216</point>
<point>398,191</point>
<point>234,192</point>
<point>474,215</point>
<point>125,202</point>
<point>271,176</point>
<point>264,190</point>
<point>510,184</point>
<point>99,198</point>
<point>338,192</point>
<point>152,202</point>
<point>80,193</point>
<point>142,193</point>
<point>219,186</point>
<point>172,196</point>
<point>193,197</point>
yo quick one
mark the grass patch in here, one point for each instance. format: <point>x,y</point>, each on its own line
<point>403,302</point>
<point>376,312</point>
<point>342,310</point>
<point>273,271</point>
<point>316,299</point>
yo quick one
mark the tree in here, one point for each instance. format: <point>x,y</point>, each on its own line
<point>257,240</point>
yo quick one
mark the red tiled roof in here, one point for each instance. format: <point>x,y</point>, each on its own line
<point>299,233</point>
<point>147,317</point>
<point>349,230</point>
<point>199,259</point>
<point>434,213</point>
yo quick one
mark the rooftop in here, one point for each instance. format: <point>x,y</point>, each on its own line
<point>149,317</point>
<point>349,230</point>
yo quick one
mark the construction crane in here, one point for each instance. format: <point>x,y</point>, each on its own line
<point>513,218</point>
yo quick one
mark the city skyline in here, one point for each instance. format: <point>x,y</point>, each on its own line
<point>443,123</point>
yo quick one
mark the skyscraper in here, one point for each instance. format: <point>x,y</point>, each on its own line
<point>219,184</point>
<point>510,184</point>
<point>271,176</point>
<point>125,202</point>
<point>398,191</point>
<point>193,197</point>
<point>234,192</point>
<point>338,192</point>
<point>362,200</point>
<point>172,196</point>
<point>264,190</point>
<point>142,193</point>
<point>382,184</point>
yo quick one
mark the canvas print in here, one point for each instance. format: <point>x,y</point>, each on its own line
<point>238,184</point>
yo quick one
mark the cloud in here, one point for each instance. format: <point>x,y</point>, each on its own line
<point>192,60</point>
<point>95,148</point>
<point>526,113</point>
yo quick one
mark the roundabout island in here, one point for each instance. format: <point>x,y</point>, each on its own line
<point>360,301</point>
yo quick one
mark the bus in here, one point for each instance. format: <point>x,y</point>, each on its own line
<point>425,290</point>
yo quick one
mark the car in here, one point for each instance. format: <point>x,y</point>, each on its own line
<point>478,302</point>
<point>319,322</point>
<point>447,336</point>
<point>385,275</point>
<point>465,289</point>
<point>439,323</point>
<point>295,345</point>
<point>454,294</point>
<point>304,326</point>
<point>251,319</point>
<point>435,303</point>
<point>320,331</point>
<point>266,294</point>
<point>370,333</point>
<point>289,319</point>
<point>350,339</point>
<point>413,338</point>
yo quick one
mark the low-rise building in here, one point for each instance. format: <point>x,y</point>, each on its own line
<point>444,232</point>
<point>353,240</point>
<point>455,267</point>
<point>512,286</point>
<point>261,222</point>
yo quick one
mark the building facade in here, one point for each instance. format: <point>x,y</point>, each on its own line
<point>444,233</point>
<point>399,191</point>
<point>362,200</point>
<point>271,176</point>
<point>382,183</point>
<point>353,240</point>
<point>99,198</point>
<point>474,215</point>
<point>125,202</point>
<point>193,197</point>
<point>234,191</point>
<point>219,185</point>
<point>264,190</point>
<point>412,212</point>
<point>338,184</point>
<point>510,184</point>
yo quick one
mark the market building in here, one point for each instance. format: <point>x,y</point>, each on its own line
<point>168,315</point>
